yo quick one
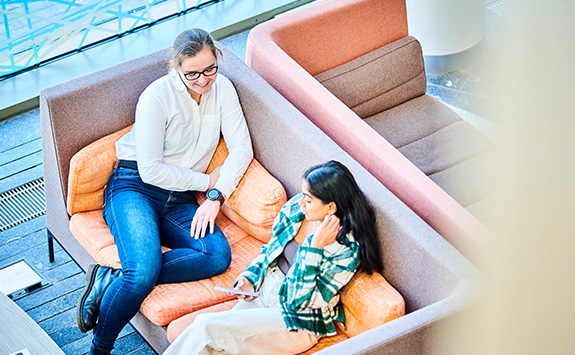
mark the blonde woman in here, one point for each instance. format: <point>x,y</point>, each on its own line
<point>150,197</point>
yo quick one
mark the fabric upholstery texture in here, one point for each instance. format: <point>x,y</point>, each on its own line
<point>90,169</point>
<point>257,199</point>
<point>471,181</point>
<point>369,301</point>
<point>449,146</point>
<point>313,36</point>
<point>453,153</point>
<point>423,115</point>
<point>93,234</point>
<point>378,80</point>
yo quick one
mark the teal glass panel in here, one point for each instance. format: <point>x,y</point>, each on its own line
<point>36,32</point>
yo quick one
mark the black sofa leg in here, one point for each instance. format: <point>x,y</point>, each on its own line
<point>50,246</point>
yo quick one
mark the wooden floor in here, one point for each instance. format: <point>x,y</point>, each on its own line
<point>53,306</point>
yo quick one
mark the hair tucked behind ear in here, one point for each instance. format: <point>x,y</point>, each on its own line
<point>333,182</point>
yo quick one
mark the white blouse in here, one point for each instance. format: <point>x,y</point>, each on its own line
<point>173,138</point>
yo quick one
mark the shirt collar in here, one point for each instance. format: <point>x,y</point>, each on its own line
<point>294,212</point>
<point>176,80</point>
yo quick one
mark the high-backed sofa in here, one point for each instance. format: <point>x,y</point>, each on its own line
<point>352,69</point>
<point>435,281</point>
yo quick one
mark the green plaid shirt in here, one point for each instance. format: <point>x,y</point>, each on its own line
<point>309,295</point>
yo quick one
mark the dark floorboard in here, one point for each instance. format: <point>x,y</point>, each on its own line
<point>53,306</point>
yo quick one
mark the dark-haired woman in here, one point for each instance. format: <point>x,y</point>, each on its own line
<point>320,238</point>
<point>150,197</point>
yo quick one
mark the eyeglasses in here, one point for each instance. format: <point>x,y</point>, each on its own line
<point>194,75</point>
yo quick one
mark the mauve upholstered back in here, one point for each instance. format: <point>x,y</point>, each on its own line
<point>93,106</point>
<point>381,79</point>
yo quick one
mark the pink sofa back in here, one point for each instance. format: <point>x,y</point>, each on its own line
<point>342,37</point>
<point>290,50</point>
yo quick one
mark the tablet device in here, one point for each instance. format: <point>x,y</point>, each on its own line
<point>237,292</point>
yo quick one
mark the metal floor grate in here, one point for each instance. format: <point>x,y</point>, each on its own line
<point>503,8</point>
<point>22,204</point>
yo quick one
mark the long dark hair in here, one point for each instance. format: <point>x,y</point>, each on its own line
<point>333,182</point>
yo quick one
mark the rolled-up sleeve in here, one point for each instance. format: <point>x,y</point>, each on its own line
<point>237,137</point>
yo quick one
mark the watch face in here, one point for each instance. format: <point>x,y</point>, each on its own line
<point>213,194</point>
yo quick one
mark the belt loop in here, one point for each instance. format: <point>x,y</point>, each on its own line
<point>130,164</point>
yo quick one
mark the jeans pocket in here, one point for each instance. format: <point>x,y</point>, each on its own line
<point>126,173</point>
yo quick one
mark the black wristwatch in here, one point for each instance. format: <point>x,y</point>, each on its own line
<point>215,195</point>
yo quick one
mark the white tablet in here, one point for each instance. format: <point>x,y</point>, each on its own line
<point>237,292</point>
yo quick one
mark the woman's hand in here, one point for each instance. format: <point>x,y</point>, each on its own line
<point>326,233</point>
<point>205,215</point>
<point>244,284</point>
<point>207,212</point>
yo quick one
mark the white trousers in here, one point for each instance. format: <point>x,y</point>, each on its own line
<point>251,328</point>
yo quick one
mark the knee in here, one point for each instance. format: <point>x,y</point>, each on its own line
<point>141,278</point>
<point>207,323</point>
<point>222,257</point>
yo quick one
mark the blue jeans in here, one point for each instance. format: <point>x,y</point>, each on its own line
<point>142,217</point>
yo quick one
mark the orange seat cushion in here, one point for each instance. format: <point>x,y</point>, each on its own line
<point>179,325</point>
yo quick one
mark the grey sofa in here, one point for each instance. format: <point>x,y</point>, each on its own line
<point>436,281</point>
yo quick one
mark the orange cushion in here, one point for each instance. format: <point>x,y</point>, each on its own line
<point>90,170</point>
<point>253,206</point>
<point>369,301</point>
<point>257,199</point>
<point>170,301</point>
<point>92,232</point>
